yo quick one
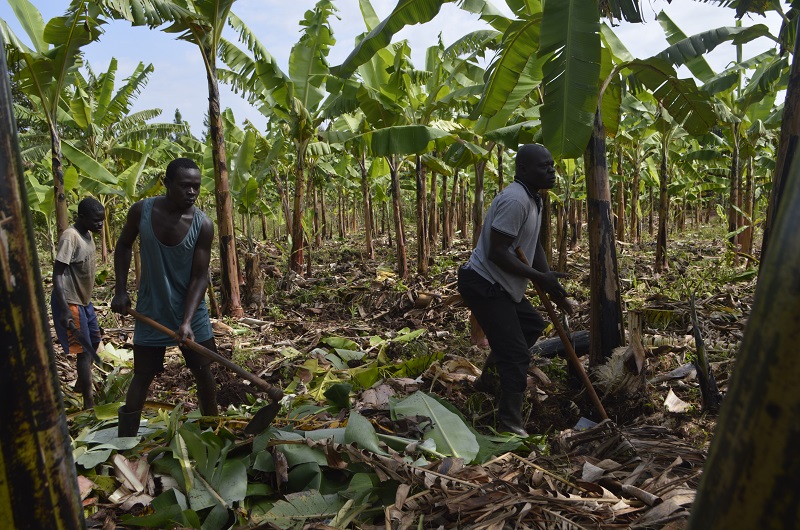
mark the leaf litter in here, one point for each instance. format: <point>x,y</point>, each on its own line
<point>380,427</point>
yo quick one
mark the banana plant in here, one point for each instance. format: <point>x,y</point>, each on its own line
<point>636,137</point>
<point>295,99</point>
<point>569,44</point>
<point>735,102</point>
<point>104,135</point>
<point>741,107</point>
<point>48,67</point>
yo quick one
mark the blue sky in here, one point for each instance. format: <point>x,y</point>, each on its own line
<point>179,78</point>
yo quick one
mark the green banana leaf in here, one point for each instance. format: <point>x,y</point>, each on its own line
<point>405,13</point>
<point>404,139</point>
<point>515,72</point>
<point>91,167</point>
<point>570,36</point>
<point>451,434</point>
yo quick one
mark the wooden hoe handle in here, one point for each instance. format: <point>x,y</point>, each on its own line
<point>274,393</point>
<point>571,355</point>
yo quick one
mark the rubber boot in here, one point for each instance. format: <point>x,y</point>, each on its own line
<point>509,413</point>
<point>128,425</point>
<point>488,381</point>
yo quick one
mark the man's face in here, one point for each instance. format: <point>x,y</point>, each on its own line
<point>93,221</point>
<point>184,187</point>
<point>539,172</point>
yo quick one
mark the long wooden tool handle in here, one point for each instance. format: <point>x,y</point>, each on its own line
<point>571,355</point>
<point>274,393</point>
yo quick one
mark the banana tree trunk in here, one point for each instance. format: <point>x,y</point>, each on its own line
<point>478,204</point>
<point>397,211</point>
<point>500,183</point>
<point>59,194</point>
<point>287,215</point>
<point>229,275</point>
<point>546,230</point>
<point>423,246</point>
<point>451,227</point>
<point>563,216</point>
<point>752,476</point>
<point>733,195</point>
<point>663,214</point>
<point>38,485</point>
<point>787,145</point>
<point>574,227</point>
<point>635,228</point>
<point>296,256</point>
<point>746,237</point>
<point>462,221</point>
<point>606,326</point>
<point>318,226</point>
<point>370,247</point>
<point>340,211</point>
<point>433,209</point>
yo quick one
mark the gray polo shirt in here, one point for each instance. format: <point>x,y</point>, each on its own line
<point>515,212</point>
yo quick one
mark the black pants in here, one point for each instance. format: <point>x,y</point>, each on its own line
<point>149,360</point>
<point>511,327</point>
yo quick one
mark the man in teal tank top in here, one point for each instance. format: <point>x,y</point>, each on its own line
<point>175,250</point>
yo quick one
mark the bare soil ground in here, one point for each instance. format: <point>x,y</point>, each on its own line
<point>351,297</point>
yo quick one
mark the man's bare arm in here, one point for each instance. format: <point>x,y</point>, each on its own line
<point>123,252</point>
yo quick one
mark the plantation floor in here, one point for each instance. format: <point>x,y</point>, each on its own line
<point>641,468</point>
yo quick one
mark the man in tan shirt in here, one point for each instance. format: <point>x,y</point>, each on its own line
<point>74,270</point>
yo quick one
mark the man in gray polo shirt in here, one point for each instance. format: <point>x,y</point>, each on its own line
<point>493,282</point>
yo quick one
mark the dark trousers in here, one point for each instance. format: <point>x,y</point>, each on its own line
<point>511,327</point>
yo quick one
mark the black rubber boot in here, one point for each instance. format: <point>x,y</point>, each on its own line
<point>128,425</point>
<point>488,381</point>
<point>509,413</point>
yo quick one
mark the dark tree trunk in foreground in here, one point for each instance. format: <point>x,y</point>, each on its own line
<point>752,476</point>
<point>229,274</point>
<point>606,325</point>
<point>38,485</point>
<point>787,146</point>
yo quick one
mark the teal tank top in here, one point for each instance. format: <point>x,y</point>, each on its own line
<point>164,282</point>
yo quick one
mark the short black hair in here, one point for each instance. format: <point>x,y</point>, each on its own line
<point>529,152</point>
<point>89,206</point>
<point>177,164</point>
